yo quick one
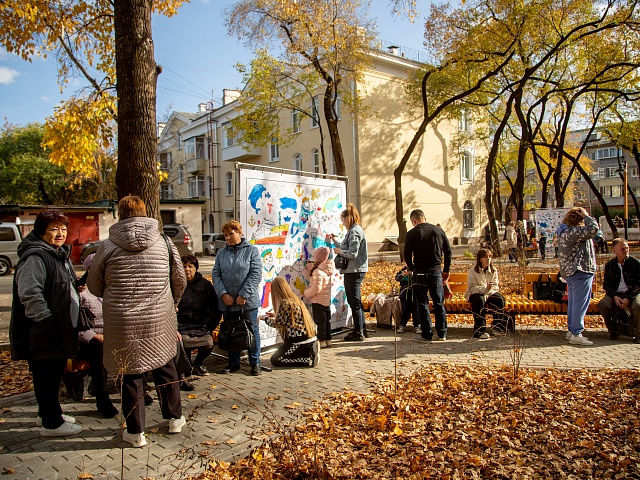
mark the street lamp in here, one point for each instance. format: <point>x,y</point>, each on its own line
<point>623,169</point>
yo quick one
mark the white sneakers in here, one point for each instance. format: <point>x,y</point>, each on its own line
<point>137,440</point>
<point>401,329</point>
<point>484,336</point>
<point>62,431</point>
<point>568,336</point>
<point>417,330</point>
<point>176,424</point>
<point>66,418</point>
<point>580,340</point>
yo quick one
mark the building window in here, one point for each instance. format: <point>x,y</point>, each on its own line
<point>275,150</point>
<point>466,168</point>
<point>179,141</point>
<point>194,148</point>
<point>315,156</point>
<point>229,183</point>
<point>211,224</point>
<point>180,174</point>
<point>634,172</point>
<point>463,122</point>
<point>611,152</point>
<point>165,161</point>
<point>209,187</point>
<point>467,215</point>
<point>166,191</point>
<point>196,186</point>
<point>296,120</point>
<point>297,162</point>
<point>228,140</point>
<point>315,115</point>
<point>338,107</point>
<point>334,166</point>
<point>616,190</point>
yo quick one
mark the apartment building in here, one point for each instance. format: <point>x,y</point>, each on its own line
<point>447,185</point>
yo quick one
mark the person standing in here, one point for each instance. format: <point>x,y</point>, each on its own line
<point>236,278</point>
<point>425,247</point>
<point>141,289</point>
<point>577,259</point>
<point>512,241</point>
<point>543,246</point>
<point>354,247</point>
<point>622,286</point>
<point>319,292</point>
<point>44,317</point>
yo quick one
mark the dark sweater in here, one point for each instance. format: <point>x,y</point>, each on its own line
<point>198,313</point>
<point>424,248</point>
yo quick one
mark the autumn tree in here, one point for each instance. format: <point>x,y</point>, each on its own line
<point>109,45</point>
<point>323,45</point>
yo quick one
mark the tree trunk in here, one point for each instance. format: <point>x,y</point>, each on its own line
<point>603,203</point>
<point>137,173</point>
<point>332,125</point>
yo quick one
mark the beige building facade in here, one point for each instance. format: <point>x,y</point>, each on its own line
<point>447,185</point>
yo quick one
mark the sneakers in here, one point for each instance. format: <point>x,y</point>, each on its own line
<point>579,340</point>
<point>568,336</point>
<point>62,431</point>
<point>137,440</point>
<point>255,369</point>
<point>323,344</point>
<point>484,336</point>
<point>354,337</point>
<point>401,329</point>
<point>417,330</point>
<point>66,418</point>
<point>441,339</point>
<point>176,424</point>
<point>200,370</point>
<point>328,343</point>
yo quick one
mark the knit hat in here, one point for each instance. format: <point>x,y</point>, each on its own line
<point>321,254</point>
<point>88,261</point>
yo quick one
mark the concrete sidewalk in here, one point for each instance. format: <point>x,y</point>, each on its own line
<point>227,414</point>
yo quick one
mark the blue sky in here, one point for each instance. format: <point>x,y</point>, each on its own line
<point>197,56</point>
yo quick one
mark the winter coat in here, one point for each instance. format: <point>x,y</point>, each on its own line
<point>238,271</point>
<point>354,247</point>
<point>131,273</point>
<point>612,274</point>
<point>483,282</point>
<point>575,248</point>
<point>93,303</point>
<point>512,237</point>
<point>386,309</point>
<point>198,312</point>
<point>44,314</point>
<point>319,289</point>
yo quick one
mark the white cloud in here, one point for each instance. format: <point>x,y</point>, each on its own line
<point>8,75</point>
<point>45,99</point>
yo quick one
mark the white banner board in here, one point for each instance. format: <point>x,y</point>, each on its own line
<point>287,216</point>
<point>547,221</point>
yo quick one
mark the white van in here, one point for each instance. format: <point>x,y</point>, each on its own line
<point>10,238</point>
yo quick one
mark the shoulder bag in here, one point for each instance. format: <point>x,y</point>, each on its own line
<point>182,361</point>
<point>543,290</point>
<point>85,319</point>
<point>341,262</point>
<point>236,332</point>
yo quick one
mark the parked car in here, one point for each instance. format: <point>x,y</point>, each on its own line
<point>89,248</point>
<point>180,236</point>
<point>209,243</point>
<point>220,243</point>
<point>10,238</point>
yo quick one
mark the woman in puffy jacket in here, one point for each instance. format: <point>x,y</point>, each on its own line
<point>482,294</point>
<point>319,292</point>
<point>198,316</point>
<point>292,319</point>
<point>236,277</point>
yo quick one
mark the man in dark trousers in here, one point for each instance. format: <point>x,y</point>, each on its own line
<point>622,285</point>
<point>424,248</point>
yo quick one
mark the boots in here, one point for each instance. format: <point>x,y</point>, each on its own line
<point>105,407</point>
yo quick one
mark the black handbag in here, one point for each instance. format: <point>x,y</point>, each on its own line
<point>236,332</point>
<point>543,290</point>
<point>182,361</point>
<point>560,293</point>
<point>86,319</point>
<point>341,262</point>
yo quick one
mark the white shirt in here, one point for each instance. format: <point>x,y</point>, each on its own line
<point>622,288</point>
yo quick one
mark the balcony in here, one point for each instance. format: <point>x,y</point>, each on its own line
<point>236,153</point>
<point>196,165</point>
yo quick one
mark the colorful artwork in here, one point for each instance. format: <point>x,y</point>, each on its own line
<point>547,221</point>
<point>287,217</point>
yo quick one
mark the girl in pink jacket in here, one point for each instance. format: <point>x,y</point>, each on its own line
<point>319,292</point>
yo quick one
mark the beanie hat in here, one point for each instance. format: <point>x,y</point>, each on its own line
<point>321,254</point>
<point>88,261</point>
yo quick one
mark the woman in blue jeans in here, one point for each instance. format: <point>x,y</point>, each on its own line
<point>236,277</point>
<point>354,247</point>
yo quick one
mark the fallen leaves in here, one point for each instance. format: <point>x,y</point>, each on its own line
<point>15,378</point>
<point>455,422</point>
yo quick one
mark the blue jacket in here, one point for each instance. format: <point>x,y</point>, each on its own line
<point>354,247</point>
<point>238,271</point>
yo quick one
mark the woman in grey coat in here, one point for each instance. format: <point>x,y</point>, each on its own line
<point>354,247</point>
<point>236,277</point>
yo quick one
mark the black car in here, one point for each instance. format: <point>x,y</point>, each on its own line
<point>89,248</point>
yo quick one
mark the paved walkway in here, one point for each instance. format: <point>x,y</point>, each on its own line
<point>228,415</point>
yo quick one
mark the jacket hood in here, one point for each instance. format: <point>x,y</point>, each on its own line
<point>561,228</point>
<point>243,244</point>
<point>33,241</point>
<point>135,234</point>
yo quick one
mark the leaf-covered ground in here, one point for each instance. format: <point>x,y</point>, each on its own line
<point>15,377</point>
<point>451,422</point>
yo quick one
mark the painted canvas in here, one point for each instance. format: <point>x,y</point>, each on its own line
<point>288,216</point>
<point>547,221</point>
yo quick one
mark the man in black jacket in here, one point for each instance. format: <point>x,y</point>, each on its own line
<point>424,248</point>
<point>622,284</point>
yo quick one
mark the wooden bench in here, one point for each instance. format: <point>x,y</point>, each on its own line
<point>523,306</point>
